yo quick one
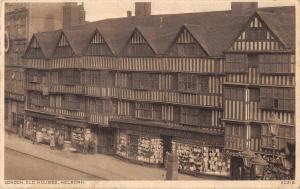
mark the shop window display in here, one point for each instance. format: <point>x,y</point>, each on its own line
<point>142,148</point>
<point>201,159</point>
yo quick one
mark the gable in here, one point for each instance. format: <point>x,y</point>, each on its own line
<point>257,37</point>
<point>137,45</point>
<point>98,46</point>
<point>185,37</point>
<point>137,38</point>
<point>34,50</point>
<point>63,48</point>
<point>185,45</point>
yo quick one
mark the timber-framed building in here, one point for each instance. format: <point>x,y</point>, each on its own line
<point>198,84</point>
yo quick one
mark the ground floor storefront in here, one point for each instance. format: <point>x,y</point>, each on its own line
<point>198,153</point>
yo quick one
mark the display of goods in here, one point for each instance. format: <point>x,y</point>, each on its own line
<point>39,136</point>
<point>201,159</point>
<point>122,145</point>
<point>141,148</point>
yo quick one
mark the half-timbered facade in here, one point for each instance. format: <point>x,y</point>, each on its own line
<point>21,21</point>
<point>165,84</point>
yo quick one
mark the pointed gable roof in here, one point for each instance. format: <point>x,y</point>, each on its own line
<point>34,43</point>
<point>195,32</point>
<point>48,41</point>
<point>105,40</point>
<point>213,30</point>
<point>144,35</point>
<point>281,22</point>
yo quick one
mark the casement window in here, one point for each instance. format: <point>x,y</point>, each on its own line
<point>253,60</point>
<point>131,109</point>
<point>35,76</point>
<point>277,98</point>
<point>195,117</point>
<point>69,77</point>
<point>149,111</point>
<point>235,136</point>
<point>103,106</point>
<point>275,63</point>
<point>176,114</point>
<point>35,98</point>
<point>285,134</point>
<point>71,102</point>
<point>143,81</point>
<point>101,78</point>
<point>38,99</point>
<point>254,94</point>
<point>256,34</point>
<point>174,82</point>
<point>236,63</point>
<point>193,83</point>
<point>234,93</point>
<point>255,131</point>
<point>188,82</point>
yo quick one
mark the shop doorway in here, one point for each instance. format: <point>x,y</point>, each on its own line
<point>133,142</point>
<point>106,141</point>
<point>236,168</point>
<point>167,145</point>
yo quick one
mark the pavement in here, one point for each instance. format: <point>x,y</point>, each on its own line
<point>106,167</point>
<point>19,166</point>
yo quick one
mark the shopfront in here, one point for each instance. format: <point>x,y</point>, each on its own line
<point>198,153</point>
<point>196,157</point>
<point>139,146</point>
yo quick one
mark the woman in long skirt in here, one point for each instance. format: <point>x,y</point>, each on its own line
<point>52,142</point>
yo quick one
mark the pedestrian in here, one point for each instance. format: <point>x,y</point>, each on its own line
<point>61,141</point>
<point>92,145</point>
<point>56,135</point>
<point>33,135</point>
<point>80,145</point>
<point>52,142</point>
<point>20,131</point>
<point>85,146</point>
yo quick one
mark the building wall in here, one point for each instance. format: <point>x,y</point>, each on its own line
<point>21,21</point>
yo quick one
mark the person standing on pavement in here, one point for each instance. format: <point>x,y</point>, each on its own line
<point>20,130</point>
<point>33,135</point>
<point>56,134</point>
<point>85,145</point>
<point>92,145</point>
<point>61,141</point>
<point>52,142</point>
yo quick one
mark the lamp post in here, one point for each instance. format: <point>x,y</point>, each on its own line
<point>259,165</point>
<point>247,155</point>
<point>274,128</point>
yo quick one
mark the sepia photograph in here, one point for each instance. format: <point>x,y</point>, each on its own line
<point>149,91</point>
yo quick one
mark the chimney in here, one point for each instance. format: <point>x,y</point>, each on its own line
<point>142,9</point>
<point>129,13</point>
<point>241,8</point>
<point>73,14</point>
